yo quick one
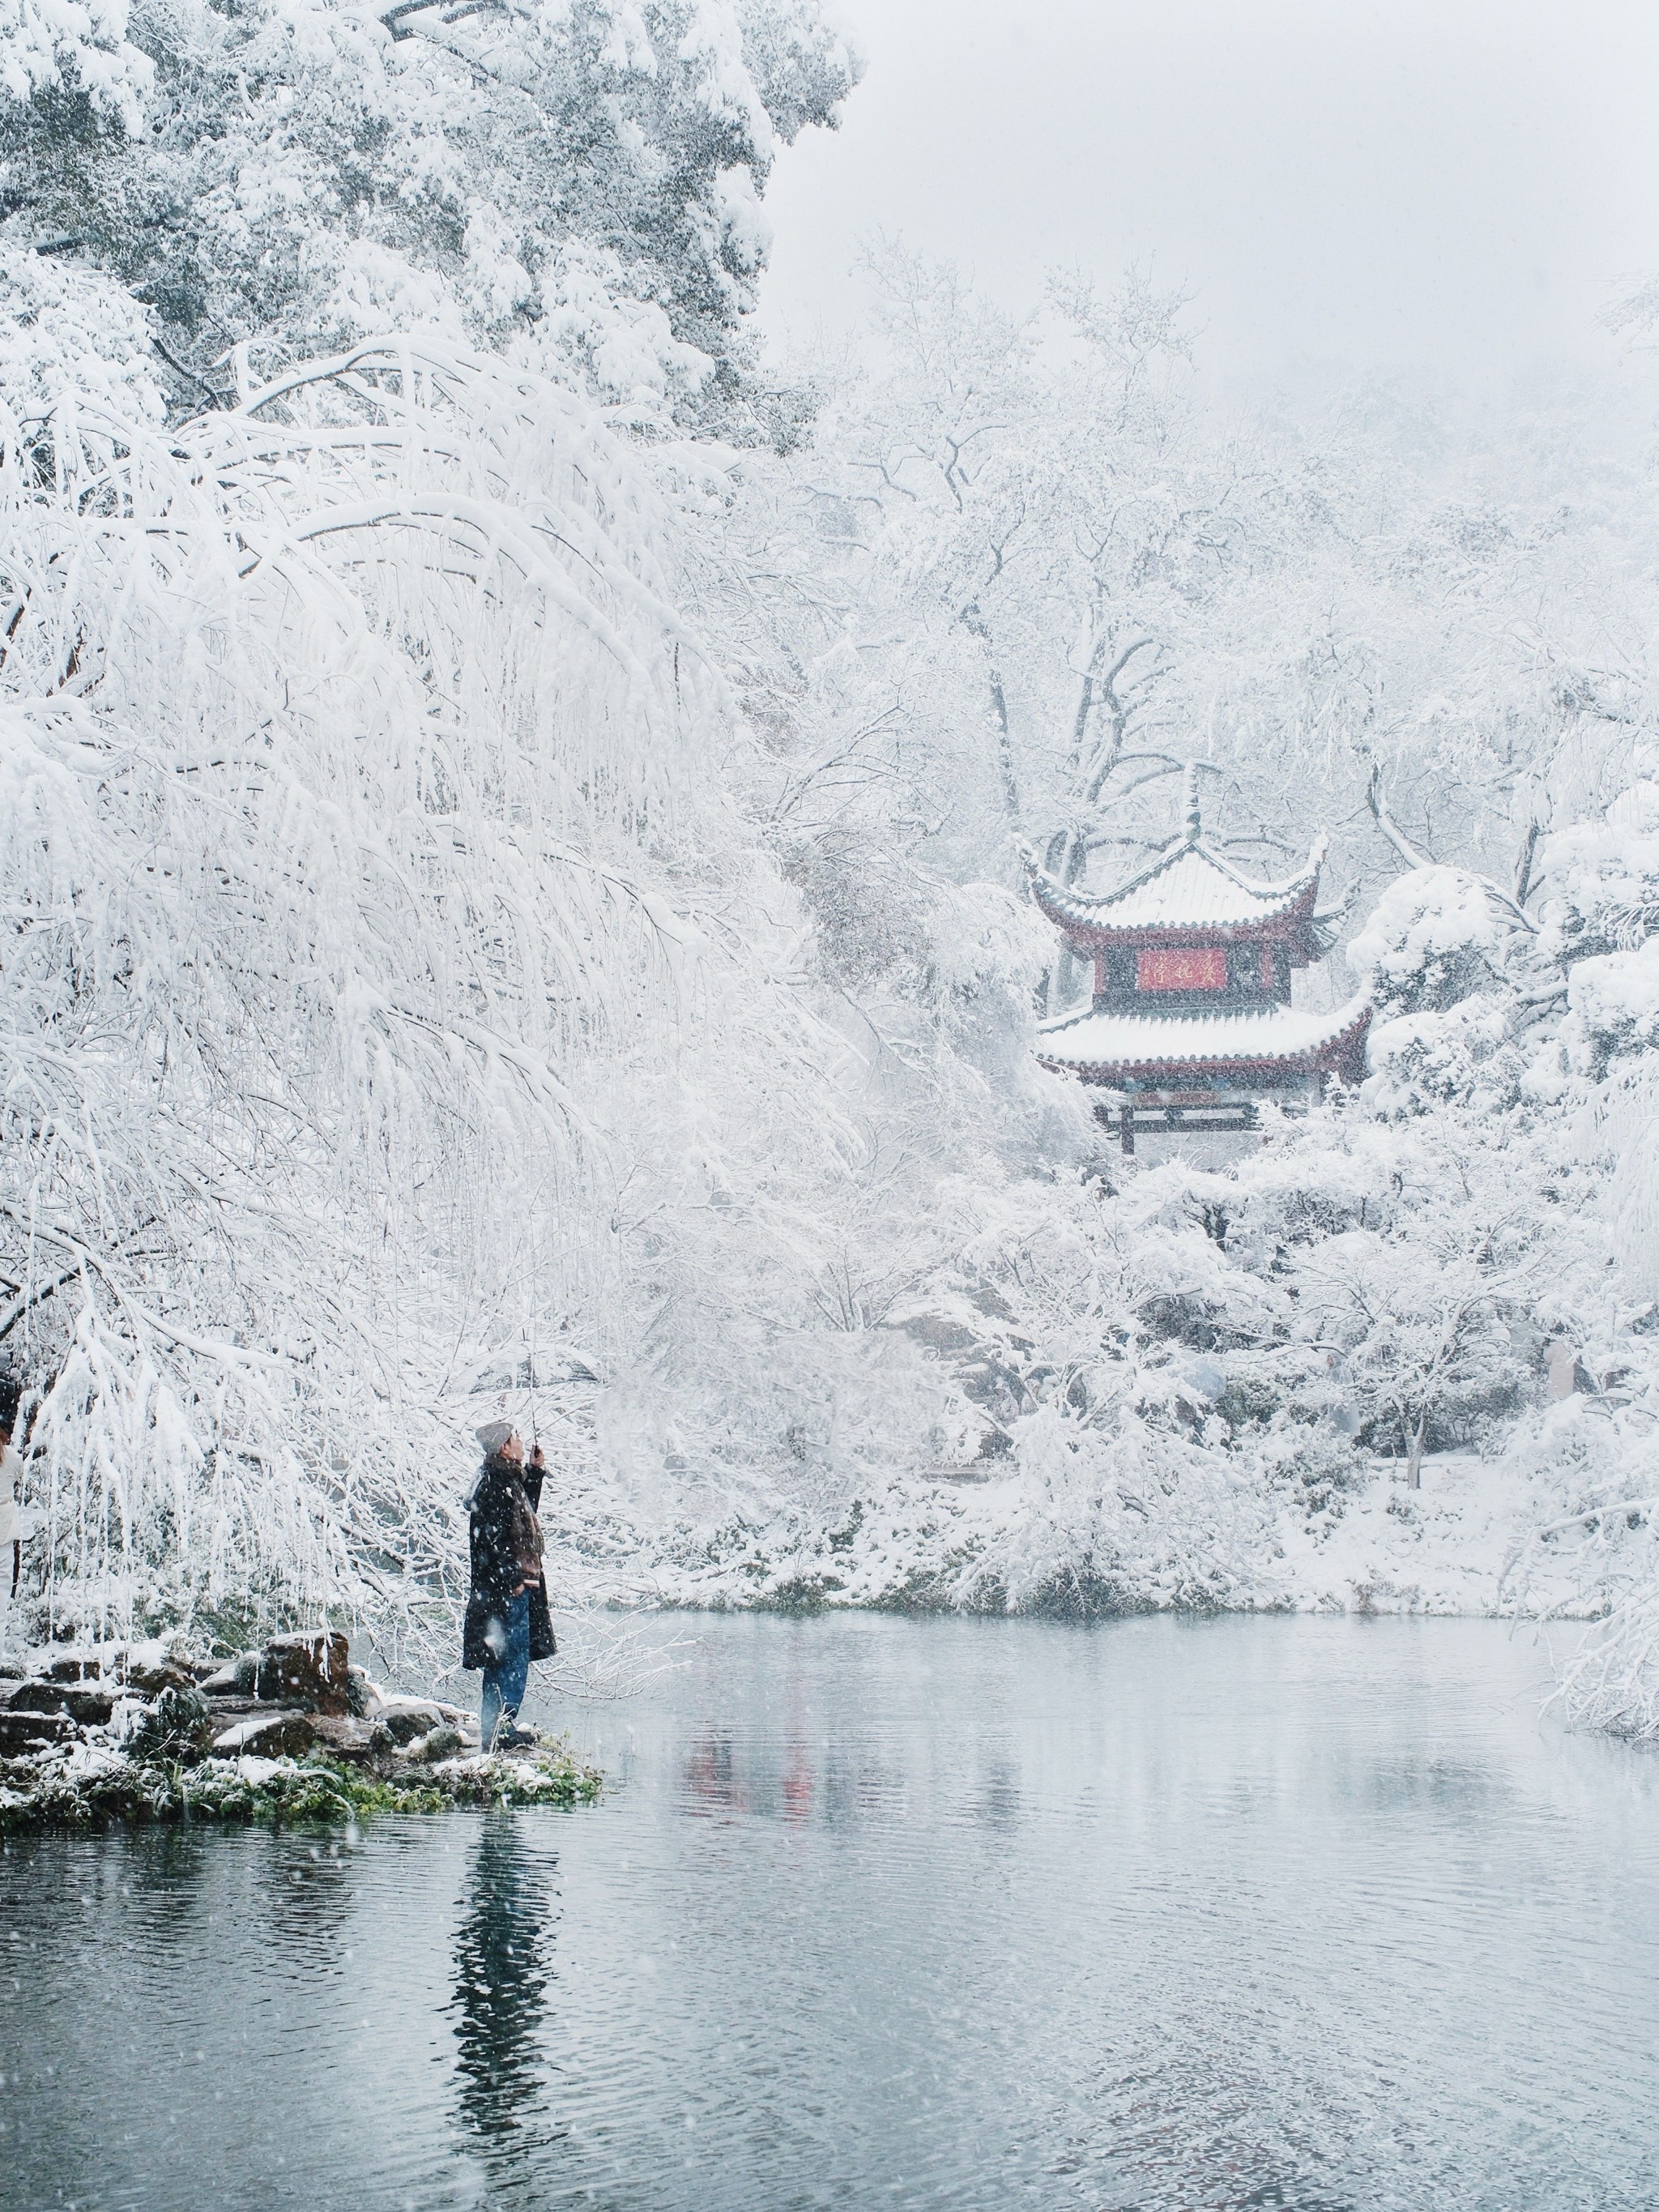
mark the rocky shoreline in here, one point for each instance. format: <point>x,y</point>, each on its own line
<point>294,1731</point>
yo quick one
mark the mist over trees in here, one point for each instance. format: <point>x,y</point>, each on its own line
<point>513,822</point>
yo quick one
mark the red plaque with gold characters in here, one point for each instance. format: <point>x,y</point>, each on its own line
<point>1182,967</point>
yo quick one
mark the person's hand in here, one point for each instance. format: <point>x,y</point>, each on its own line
<point>537,1459</point>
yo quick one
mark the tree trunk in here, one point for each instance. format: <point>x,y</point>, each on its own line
<point>977,626</point>
<point>1414,1458</point>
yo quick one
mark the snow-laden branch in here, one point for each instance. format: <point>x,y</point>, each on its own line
<point>351,888</point>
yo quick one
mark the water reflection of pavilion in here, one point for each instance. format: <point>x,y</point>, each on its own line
<point>840,1786</point>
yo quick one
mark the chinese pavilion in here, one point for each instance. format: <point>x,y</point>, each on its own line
<point>1192,1024</point>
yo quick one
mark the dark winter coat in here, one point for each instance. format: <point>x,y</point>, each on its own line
<point>495,1562</point>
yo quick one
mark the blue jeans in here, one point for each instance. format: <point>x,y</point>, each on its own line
<point>506,1677</point>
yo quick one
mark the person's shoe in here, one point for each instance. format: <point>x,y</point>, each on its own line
<point>516,1738</point>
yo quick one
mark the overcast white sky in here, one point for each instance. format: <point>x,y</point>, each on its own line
<point>1453,184</point>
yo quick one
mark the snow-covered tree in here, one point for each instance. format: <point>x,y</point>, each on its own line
<point>396,988</point>
<point>579,182</point>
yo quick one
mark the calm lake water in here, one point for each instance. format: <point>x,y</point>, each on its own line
<point>1312,1914</point>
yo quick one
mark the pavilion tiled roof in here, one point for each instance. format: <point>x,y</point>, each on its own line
<point>1189,886</point>
<point>1126,1045</point>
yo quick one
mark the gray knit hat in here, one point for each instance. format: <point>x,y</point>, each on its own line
<point>493,1436</point>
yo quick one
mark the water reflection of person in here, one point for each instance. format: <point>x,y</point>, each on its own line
<point>501,1977</point>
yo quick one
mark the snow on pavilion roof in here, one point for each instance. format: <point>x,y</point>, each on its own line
<point>1103,1044</point>
<point>1189,885</point>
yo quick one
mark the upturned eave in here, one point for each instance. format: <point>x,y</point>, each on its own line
<point>1174,1050</point>
<point>1274,913</point>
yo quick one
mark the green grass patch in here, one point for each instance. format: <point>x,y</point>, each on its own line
<point>85,1788</point>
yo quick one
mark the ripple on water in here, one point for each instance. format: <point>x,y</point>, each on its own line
<point>1300,1914</point>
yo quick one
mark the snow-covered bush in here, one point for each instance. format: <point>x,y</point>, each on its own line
<point>1453,969</point>
<point>1438,937</point>
<point>75,53</point>
<point>68,330</point>
<point>1593,1457</point>
<point>1603,877</point>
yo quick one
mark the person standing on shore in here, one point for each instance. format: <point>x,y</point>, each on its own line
<point>13,1528</point>
<point>508,1624</point>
